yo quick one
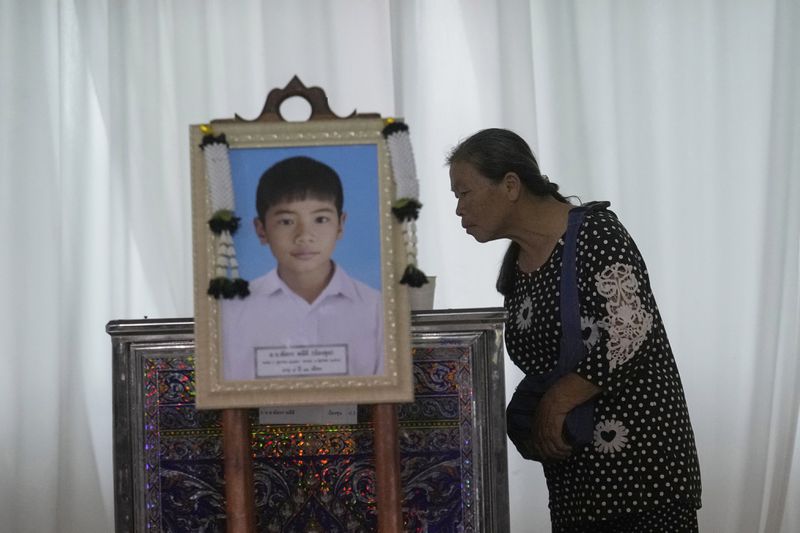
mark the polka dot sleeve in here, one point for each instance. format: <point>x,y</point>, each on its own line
<point>617,307</point>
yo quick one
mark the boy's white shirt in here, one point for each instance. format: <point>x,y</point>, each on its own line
<point>346,312</point>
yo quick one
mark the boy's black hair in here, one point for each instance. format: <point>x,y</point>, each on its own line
<point>295,179</point>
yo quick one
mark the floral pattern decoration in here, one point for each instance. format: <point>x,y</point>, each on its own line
<point>628,321</point>
<point>590,329</point>
<point>610,436</point>
<point>525,314</point>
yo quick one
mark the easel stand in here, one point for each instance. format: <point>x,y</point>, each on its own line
<point>387,468</point>
<point>238,464</point>
<point>238,461</point>
<point>238,471</point>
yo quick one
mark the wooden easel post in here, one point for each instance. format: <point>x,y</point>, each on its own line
<point>238,469</point>
<point>387,468</point>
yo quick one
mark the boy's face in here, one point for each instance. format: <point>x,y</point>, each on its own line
<point>301,234</point>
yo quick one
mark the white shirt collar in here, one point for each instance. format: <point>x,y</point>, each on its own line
<point>340,284</point>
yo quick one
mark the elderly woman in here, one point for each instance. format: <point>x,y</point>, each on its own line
<point>637,471</point>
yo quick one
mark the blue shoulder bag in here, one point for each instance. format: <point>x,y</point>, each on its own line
<point>579,424</point>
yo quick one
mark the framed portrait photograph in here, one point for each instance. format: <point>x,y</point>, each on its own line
<point>297,265</point>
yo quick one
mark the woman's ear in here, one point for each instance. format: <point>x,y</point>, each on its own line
<point>512,186</point>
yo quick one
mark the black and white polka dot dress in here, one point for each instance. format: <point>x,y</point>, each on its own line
<point>643,456</point>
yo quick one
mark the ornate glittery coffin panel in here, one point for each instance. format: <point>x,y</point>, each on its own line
<point>168,455</point>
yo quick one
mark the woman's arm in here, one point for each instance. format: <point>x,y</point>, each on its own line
<point>618,310</point>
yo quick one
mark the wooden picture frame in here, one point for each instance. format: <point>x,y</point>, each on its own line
<point>313,370</point>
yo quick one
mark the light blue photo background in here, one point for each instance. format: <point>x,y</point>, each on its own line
<point>358,251</point>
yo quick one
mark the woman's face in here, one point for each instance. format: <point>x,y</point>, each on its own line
<point>483,205</point>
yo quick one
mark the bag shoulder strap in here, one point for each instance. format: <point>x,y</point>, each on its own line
<point>572,351</point>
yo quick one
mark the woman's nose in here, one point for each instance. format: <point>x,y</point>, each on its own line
<point>459,208</point>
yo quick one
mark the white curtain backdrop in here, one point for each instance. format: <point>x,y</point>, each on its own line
<point>683,114</point>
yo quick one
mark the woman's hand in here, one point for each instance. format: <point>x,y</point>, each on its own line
<point>548,429</point>
<point>548,424</point>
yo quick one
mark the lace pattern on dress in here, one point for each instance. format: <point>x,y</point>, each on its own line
<point>628,323</point>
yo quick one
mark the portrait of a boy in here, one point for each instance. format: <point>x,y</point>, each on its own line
<point>306,316</point>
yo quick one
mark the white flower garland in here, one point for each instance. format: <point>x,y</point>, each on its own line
<point>226,282</point>
<point>406,205</point>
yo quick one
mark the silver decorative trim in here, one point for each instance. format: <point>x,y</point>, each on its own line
<point>133,341</point>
